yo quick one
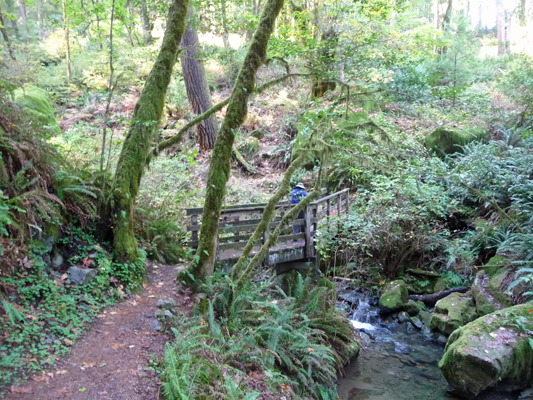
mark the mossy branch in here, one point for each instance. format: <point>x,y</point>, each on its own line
<point>268,214</point>
<point>273,237</point>
<point>165,144</point>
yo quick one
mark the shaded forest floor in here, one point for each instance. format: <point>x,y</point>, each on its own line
<point>118,357</point>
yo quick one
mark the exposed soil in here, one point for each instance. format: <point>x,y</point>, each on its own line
<point>111,360</point>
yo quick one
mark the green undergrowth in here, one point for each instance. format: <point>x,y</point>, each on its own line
<point>42,312</point>
<point>265,342</point>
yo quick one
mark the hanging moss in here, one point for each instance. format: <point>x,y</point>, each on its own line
<point>138,142</point>
<point>219,169</point>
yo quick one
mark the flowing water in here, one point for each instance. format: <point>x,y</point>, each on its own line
<point>399,362</point>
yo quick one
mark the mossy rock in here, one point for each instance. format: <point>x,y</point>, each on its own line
<point>449,140</point>
<point>351,351</point>
<point>496,264</point>
<point>488,352</point>
<point>453,312</point>
<point>37,103</point>
<point>484,290</point>
<point>497,287</point>
<point>412,308</point>
<point>395,297</point>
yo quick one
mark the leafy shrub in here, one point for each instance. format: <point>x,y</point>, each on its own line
<point>161,235</point>
<point>295,343</point>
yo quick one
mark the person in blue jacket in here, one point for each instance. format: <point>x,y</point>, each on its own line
<point>298,193</point>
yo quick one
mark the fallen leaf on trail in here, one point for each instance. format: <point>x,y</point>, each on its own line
<point>83,389</point>
<point>21,390</point>
<point>61,372</point>
<point>132,346</point>
<point>151,295</point>
<point>89,364</point>
<point>68,342</point>
<point>113,312</point>
<point>41,378</point>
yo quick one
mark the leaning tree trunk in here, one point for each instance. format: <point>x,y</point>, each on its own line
<point>138,142</point>
<point>203,263</point>
<point>146,26</point>
<point>196,85</point>
<point>5,35</point>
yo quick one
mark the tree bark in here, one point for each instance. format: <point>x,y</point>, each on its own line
<point>5,35</point>
<point>447,16</point>
<point>67,40</point>
<point>219,170</point>
<point>11,9</point>
<point>503,28</point>
<point>146,26</point>
<point>196,85</point>
<point>22,19</point>
<point>225,33</point>
<point>138,142</point>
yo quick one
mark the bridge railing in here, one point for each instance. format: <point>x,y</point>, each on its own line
<point>238,222</point>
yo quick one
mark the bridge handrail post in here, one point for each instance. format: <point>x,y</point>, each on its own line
<point>307,220</point>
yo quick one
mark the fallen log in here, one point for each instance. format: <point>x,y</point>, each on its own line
<point>431,299</point>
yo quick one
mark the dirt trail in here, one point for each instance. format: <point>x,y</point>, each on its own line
<point>110,361</point>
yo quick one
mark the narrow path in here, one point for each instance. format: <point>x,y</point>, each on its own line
<point>111,360</point>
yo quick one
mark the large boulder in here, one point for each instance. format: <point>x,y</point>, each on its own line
<point>452,312</point>
<point>37,103</point>
<point>395,297</point>
<point>494,350</point>
<point>449,140</point>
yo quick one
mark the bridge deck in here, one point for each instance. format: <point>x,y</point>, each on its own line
<point>237,223</point>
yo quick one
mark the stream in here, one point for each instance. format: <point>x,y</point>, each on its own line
<point>398,361</point>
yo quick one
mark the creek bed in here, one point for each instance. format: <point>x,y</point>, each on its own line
<point>399,362</point>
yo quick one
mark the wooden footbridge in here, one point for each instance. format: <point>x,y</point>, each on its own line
<point>237,223</point>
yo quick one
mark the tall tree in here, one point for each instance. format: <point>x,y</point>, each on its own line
<point>14,25</point>
<point>503,26</point>
<point>23,17</point>
<point>203,263</point>
<point>146,24</point>
<point>143,128</point>
<point>67,38</point>
<point>5,35</point>
<point>196,84</point>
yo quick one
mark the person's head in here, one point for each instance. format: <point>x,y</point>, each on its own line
<point>300,185</point>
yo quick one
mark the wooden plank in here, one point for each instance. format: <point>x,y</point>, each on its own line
<point>234,238</point>
<point>237,207</point>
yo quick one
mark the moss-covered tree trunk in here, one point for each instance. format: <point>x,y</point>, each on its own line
<point>140,137</point>
<point>219,169</point>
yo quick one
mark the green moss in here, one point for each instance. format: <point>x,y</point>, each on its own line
<point>395,296</point>
<point>138,143</point>
<point>38,105</point>
<point>448,140</point>
<point>490,351</point>
<point>452,312</point>
<point>219,168</point>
